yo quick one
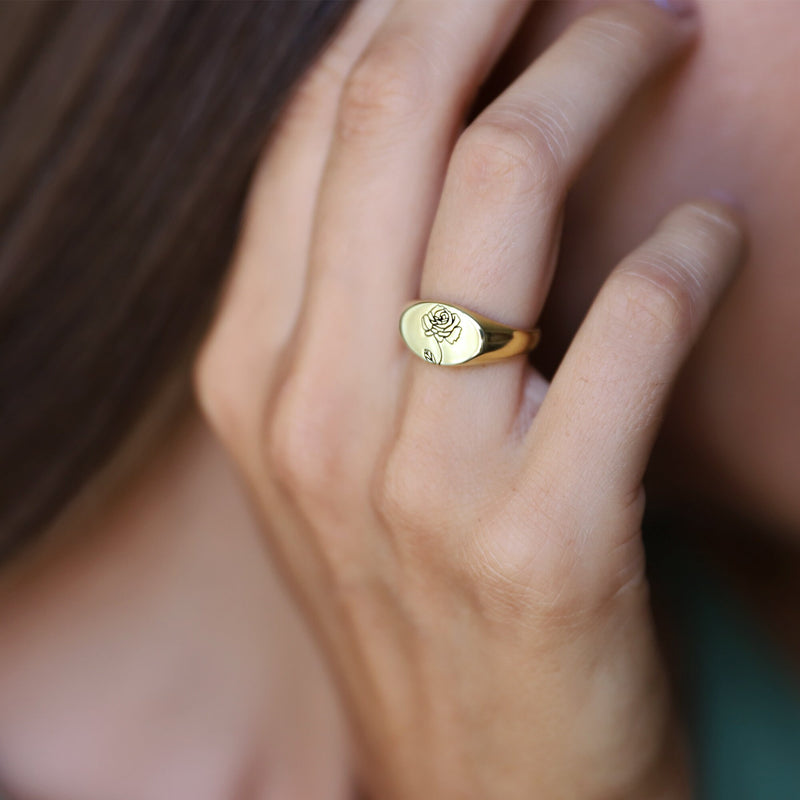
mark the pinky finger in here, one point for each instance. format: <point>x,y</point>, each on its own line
<point>599,420</point>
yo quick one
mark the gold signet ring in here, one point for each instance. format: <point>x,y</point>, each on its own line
<point>442,333</point>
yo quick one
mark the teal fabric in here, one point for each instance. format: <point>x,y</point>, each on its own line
<point>742,700</point>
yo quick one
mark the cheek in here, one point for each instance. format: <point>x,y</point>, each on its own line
<point>726,119</point>
<point>737,414</point>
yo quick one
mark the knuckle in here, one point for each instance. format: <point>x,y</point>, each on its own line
<point>505,157</point>
<point>308,100</point>
<point>710,227</point>
<point>302,451</point>
<point>529,574</point>
<point>214,388</point>
<point>317,90</point>
<point>548,570</point>
<point>388,88</point>
<point>632,33</point>
<point>655,297</point>
<point>409,496</point>
<point>614,28</point>
<point>665,289</point>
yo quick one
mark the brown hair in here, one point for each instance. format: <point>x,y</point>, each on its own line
<point>128,133</point>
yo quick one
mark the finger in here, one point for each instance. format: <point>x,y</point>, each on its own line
<point>283,195</point>
<point>269,266</point>
<point>494,240</point>
<point>598,422</point>
<point>399,115</point>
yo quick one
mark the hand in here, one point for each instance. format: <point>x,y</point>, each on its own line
<point>465,542</point>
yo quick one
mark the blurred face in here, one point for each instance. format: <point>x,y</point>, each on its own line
<point>726,119</point>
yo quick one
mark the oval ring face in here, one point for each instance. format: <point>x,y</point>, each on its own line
<point>441,334</point>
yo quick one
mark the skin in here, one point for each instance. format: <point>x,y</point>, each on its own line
<point>182,526</point>
<point>724,119</point>
<point>158,656</point>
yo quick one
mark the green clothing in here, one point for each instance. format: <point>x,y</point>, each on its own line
<point>742,700</point>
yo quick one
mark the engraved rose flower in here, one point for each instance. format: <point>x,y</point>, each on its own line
<point>443,325</point>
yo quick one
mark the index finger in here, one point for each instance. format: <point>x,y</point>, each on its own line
<point>600,417</point>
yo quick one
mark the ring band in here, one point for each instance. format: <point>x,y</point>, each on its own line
<point>441,333</point>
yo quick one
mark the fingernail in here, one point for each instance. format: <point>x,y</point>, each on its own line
<point>724,196</point>
<point>680,8</point>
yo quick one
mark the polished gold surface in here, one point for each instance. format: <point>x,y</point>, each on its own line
<point>448,335</point>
